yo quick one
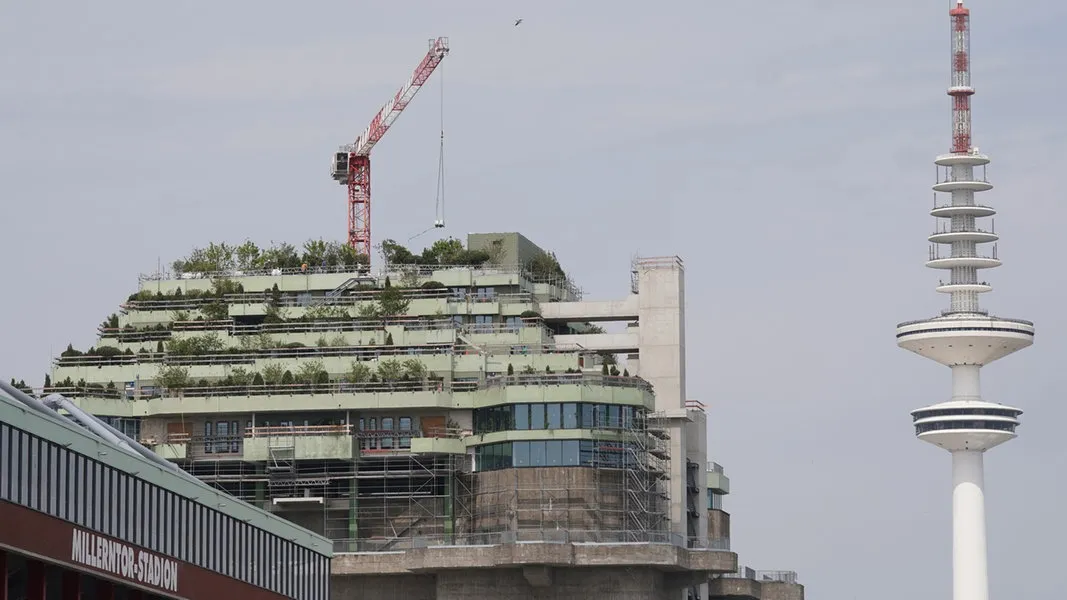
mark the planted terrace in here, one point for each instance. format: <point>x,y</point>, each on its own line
<point>395,377</point>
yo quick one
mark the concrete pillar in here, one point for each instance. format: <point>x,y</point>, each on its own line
<point>661,345</point>
<point>661,329</point>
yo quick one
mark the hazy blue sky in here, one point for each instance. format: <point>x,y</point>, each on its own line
<point>783,149</point>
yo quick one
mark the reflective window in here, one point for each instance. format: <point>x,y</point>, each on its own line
<point>570,416</point>
<point>537,416</point>
<point>522,453</point>
<point>554,417</point>
<point>554,453</point>
<point>570,453</point>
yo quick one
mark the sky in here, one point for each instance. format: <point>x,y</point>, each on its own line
<point>783,150</point>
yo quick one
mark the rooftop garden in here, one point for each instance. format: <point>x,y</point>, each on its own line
<point>248,256</point>
<point>392,375</point>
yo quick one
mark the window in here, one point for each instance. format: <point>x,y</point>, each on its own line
<point>131,428</point>
<point>522,416</point>
<point>570,453</point>
<point>587,416</point>
<point>405,427</point>
<point>537,454</point>
<point>537,416</point>
<point>554,418</point>
<point>209,436</point>
<point>387,426</point>
<point>554,453</point>
<point>483,324</point>
<point>522,454</point>
<point>570,416</point>
<point>614,416</point>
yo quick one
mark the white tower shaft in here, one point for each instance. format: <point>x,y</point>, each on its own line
<point>965,337</point>
<point>970,578</point>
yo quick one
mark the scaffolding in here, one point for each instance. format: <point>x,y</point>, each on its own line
<point>386,499</point>
<point>379,500</point>
<point>618,494</point>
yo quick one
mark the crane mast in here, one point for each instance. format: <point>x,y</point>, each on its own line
<point>351,163</point>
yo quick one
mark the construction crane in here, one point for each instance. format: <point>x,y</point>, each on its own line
<point>351,163</point>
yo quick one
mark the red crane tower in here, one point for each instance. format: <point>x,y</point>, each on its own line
<point>351,163</point>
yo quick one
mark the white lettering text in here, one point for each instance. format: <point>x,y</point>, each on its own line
<point>124,560</point>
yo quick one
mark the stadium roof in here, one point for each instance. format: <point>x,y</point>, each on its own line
<point>87,435</point>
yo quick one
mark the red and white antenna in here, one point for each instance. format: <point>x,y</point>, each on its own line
<point>961,90</point>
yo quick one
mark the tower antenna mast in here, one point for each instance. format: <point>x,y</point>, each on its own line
<point>964,337</point>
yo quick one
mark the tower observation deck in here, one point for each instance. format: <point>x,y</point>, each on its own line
<point>964,337</point>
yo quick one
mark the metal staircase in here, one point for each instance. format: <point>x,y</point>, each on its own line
<point>281,461</point>
<point>337,291</point>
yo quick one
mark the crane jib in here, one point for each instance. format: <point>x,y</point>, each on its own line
<point>351,164</point>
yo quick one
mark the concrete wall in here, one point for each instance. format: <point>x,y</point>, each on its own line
<point>384,587</point>
<point>576,501</point>
<point>560,584</point>
<point>515,248</point>
<point>534,582</point>
<point>661,336</point>
<point>718,524</point>
<point>780,590</point>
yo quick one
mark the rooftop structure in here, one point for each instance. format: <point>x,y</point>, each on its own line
<point>84,506</point>
<point>745,583</point>
<point>965,337</point>
<point>462,423</point>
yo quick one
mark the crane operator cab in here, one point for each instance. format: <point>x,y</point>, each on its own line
<point>339,169</point>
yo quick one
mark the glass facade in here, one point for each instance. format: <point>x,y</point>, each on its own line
<point>952,425</point>
<point>54,480</point>
<point>555,453</point>
<point>555,415</point>
<point>954,412</point>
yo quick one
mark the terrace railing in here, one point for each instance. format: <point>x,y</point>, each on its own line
<point>340,387</point>
<point>392,271</point>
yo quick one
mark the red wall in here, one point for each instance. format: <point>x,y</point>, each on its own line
<point>30,532</point>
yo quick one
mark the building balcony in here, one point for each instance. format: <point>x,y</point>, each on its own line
<point>174,446</point>
<point>438,445</point>
<point>948,236</point>
<point>717,479</point>
<point>748,583</point>
<point>431,394</point>
<point>307,442</point>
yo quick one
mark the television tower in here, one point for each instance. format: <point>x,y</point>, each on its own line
<point>964,337</point>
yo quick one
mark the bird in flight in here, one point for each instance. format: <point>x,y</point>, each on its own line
<point>517,21</point>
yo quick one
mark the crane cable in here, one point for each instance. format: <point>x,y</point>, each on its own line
<point>440,200</point>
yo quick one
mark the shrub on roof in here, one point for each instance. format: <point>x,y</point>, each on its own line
<point>441,252</point>
<point>249,256</point>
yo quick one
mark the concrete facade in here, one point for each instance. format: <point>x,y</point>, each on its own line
<point>579,571</point>
<point>744,583</point>
<point>516,461</point>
